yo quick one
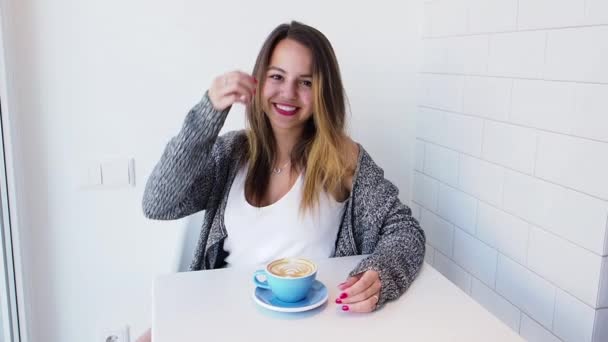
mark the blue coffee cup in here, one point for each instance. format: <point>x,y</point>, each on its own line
<point>289,279</point>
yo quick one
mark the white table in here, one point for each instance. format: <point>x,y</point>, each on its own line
<point>218,306</point>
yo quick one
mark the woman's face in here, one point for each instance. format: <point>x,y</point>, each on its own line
<point>287,91</point>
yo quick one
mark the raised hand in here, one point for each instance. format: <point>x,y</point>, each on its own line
<point>231,87</point>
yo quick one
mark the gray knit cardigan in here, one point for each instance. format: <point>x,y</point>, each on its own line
<point>196,171</point>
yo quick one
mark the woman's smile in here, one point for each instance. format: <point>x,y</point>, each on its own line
<point>285,109</point>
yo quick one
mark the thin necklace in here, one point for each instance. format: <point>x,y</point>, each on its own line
<point>277,170</point>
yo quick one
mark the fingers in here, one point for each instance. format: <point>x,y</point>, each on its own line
<point>367,305</point>
<point>235,86</point>
<point>243,94</point>
<point>360,293</point>
<point>368,278</point>
<point>349,282</point>
<point>367,293</point>
<point>247,81</point>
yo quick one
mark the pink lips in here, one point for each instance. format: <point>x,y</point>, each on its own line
<point>285,112</point>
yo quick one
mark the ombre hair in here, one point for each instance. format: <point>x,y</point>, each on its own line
<point>321,153</point>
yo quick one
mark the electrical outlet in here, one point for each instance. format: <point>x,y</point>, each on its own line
<point>118,335</point>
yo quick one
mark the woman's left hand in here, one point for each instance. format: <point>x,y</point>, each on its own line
<point>360,293</point>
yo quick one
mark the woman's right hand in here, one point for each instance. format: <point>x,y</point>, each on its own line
<point>231,87</point>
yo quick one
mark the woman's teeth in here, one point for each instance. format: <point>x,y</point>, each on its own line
<point>286,108</point>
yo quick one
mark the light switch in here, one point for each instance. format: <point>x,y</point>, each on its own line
<point>131,163</point>
<point>115,172</point>
<point>93,175</point>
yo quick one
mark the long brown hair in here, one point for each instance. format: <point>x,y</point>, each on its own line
<point>321,151</point>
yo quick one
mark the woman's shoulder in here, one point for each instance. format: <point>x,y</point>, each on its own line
<point>231,141</point>
<point>229,147</point>
<point>353,151</point>
<point>233,137</point>
<point>368,174</point>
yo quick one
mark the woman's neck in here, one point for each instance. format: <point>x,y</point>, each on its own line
<point>286,140</point>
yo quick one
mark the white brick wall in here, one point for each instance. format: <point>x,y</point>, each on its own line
<point>533,14</point>
<point>426,190</point>
<point>509,145</point>
<point>528,291</point>
<point>487,96</point>
<point>442,91</point>
<point>518,54</point>
<point>572,215</point>
<point>505,232</point>
<point>429,254</point>
<point>439,232</point>
<point>457,207</point>
<point>603,296</point>
<point>596,12</point>
<point>466,54</point>
<point>511,180</point>
<point>481,179</point>
<point>543,104</point>
<point>475,256</point>
<point>591,104</point>
<point>574,162</point>
<point>496,304</point>
<point>534,332</point>
<point>452,271</point>
<point>441,163</point>
<point>492,15</point>
<point>577,54</point>
<point>573,319</point>
<point>572,268</point>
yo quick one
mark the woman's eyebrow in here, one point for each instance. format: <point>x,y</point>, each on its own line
<point>276,68</point>
<point>283,71</point>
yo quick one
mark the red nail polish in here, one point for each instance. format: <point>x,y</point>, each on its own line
<point>343,295</point>
<point>338,301</point>
<point>344,307</point>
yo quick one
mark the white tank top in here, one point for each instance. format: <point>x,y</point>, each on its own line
<point>259,235</point>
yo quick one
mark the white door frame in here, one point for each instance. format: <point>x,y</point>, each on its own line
<point>14,329</point>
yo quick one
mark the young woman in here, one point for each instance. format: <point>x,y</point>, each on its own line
<point>293,183</point>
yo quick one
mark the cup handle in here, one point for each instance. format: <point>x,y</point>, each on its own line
<point>258,283</point>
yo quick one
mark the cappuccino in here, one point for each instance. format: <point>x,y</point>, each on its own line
<point>289,279</point>
<point>291,268</point>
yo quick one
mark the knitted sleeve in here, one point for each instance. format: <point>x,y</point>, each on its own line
<point>385,229</point>
<point>181,181</point>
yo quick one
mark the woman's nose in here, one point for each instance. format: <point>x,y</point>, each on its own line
<point>288,90</point>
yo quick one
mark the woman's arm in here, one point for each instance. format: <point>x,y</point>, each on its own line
<point>181,182</point>
<point>398,254</point>
<point>384,228</point>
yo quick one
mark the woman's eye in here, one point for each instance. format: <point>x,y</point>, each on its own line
<point>276,77</point>
<point>307,83</point>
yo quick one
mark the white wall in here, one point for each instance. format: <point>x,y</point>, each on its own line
<point>91,80</point>
<point>512,157</point>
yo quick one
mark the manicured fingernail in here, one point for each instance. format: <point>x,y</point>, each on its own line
<point>343,295</point>
<point>255,80</point>
<point>338,301</point>
<point>341,284</point>
<point>345,308</point>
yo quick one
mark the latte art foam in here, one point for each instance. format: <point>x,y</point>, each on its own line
<point>292,268</point>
